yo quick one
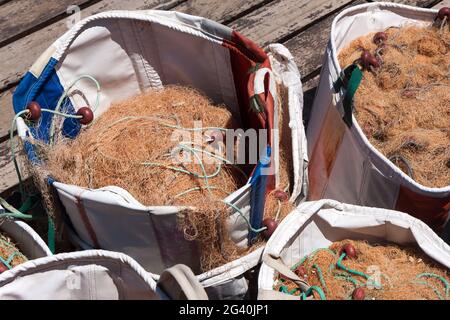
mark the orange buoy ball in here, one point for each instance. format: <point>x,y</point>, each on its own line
<point>34,111</point>
<point>301,272</point>
<point>87,115</point>
<point>358,294</point>
<point>379,37</point>
<point>3,268</point>
<point>349,250</point>
<point>368,60</point>
<point>444,12</point>
<point>271,225</point>
<point>281,195</point>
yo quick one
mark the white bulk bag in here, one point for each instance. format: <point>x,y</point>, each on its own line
<point>94,275</point>
<point>343,164</point>
<point>129,52</point>
<point>25,238</point>
<point>317,224</point>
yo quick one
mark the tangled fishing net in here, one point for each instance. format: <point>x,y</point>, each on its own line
<point>10,255</point>
<point>402,106</point>
<point>165,147</point>
<point>358,270</point>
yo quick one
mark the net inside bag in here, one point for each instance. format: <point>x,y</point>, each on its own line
<point>330,250</point>
<point>19,243</point>
<point>374,138</point>
<point>145,75</point>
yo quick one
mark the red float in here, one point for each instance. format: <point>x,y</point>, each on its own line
<point>358,294</point>
<point>443,13</point>
<point>34,111</point>
<point>349,250</point>
<point>271,225</point>
<point>87,115</point>
<point>3,268</point>
<point>380,37</point>
<point>281,195</point>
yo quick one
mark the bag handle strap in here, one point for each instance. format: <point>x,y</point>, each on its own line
<point>180,283</point>
<point>279,266</point>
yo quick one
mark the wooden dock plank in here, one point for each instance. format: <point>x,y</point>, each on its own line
<point>25,51</point>
<point>6,112</point>
<point>29,14</point>
<point>22,53</point>
<point>445,3</point>
<point>219,10</point>
<point>17,57</point>
<point>417,3</point>
<point>279,18</point>
<point>8,176</point>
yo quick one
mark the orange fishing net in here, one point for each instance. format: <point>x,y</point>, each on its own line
<point>379,272</point>
<point>403,106</point>
<point>10,255</point>
<point>165,147</point>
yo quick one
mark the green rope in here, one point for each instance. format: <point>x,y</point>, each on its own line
<point>435,276</point>
<point>64,95</point>
<point>194,189</point>
<point>193,150</point>
<point>347,276</point>
<point>5,262</point>
<point>15,253</point>
<point>51,235</point>
<point>244,217</point>
<point>13,212</point>
<point>319,291</point>
<point>430,286</point>
<point>321,278</point>
<point>355,272</point>
<point>11,257</point>
<point>292,292</point>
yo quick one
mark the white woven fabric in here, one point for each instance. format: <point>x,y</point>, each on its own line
<point>85,275</point>
<point>27,240</point>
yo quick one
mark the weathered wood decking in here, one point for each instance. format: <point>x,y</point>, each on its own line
<point>28,27</point>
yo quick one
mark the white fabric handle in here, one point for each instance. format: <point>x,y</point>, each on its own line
<point>180,283</point>
<point>259,86</point>
<point>279,266</point>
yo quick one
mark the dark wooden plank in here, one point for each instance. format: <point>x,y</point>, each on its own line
<point>308,47</point>
<point>219,10</point>
<point>445,3</point>
<point>17,57</point>
<point>417,3</point>
<point>24,52</point>
<point>274,21</point>
<point>309,93</point>
<point>22,16</point>
<point>8,176</point>
<point>6,112</point>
